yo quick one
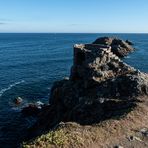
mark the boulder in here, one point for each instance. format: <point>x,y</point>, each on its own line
<point>129,42</point>
<point>18,100</point>
<point>119,47</point>
<point>31,110</point>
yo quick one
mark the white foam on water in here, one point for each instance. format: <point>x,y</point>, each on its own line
<point>10,86</point>
<point>127,57</point>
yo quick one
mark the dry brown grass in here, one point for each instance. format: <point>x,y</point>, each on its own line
<point>106,134</point>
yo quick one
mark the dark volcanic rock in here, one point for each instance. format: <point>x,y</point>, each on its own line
<point>100,86</point>
<point>30,110</point>
<point>129,42</point>
<point>18,101</point>
<point>97,73</point>
<point>119,47</point>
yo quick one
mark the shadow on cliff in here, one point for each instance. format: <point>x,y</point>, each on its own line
<point>51,116</point>
<point>100,87</point>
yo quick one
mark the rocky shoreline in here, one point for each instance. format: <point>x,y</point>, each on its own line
<point>100,87</point>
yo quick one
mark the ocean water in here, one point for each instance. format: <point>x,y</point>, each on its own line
<point>30,63</point>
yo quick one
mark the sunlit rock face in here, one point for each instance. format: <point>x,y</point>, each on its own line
<point>96,66</point>
<point>97,75</point>
<point>119,47</point>
<point>97,62</point>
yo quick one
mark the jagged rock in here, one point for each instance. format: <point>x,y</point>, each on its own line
<point>97,73</point>
<point>129,42</point>
<point>100,86</point>
<point>31,110</point>
<point>119,47</point>
<point>18,100</point>
<point>144,132</point>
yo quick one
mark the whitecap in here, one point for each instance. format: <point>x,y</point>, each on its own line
<point>10,86</point>
<point>16,109</point>
<point>127,57</point>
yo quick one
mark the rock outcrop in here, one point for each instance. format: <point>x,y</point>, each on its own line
<point>97,72</point>
<point>100,86</point>
<point>119,47</point>
<point>18,101</point>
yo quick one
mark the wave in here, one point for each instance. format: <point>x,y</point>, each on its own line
<point>127,57</point>
<point>10,86</point>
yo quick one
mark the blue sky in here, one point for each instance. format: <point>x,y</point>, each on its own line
<point>88,16</point>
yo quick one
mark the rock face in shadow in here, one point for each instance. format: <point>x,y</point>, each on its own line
<point>119,47</point>
<point>100,86</point>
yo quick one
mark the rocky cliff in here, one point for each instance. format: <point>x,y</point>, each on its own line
<point>119,47</point>
<point>101,86</point>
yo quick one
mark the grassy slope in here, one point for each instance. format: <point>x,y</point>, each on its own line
<point>105,134</point>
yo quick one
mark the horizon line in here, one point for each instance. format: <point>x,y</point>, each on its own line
<point>77,32</point>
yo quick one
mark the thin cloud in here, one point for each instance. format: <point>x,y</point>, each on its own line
<point>2,23</point>
<point>73,24</point>
<point>5,20</point>
<point>76,24</point>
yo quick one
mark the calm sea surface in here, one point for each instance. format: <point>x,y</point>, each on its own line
<point>30,63</point>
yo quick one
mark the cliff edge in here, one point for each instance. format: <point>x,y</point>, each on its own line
<point>102,101</point>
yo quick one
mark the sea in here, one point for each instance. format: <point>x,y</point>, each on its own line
<point>31,62</point>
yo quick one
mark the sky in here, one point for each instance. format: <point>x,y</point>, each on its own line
<point>74,16</point>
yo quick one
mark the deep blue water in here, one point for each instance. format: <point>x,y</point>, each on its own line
<point>30,63</point>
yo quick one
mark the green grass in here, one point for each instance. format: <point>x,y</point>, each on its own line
<point>57,138</point>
